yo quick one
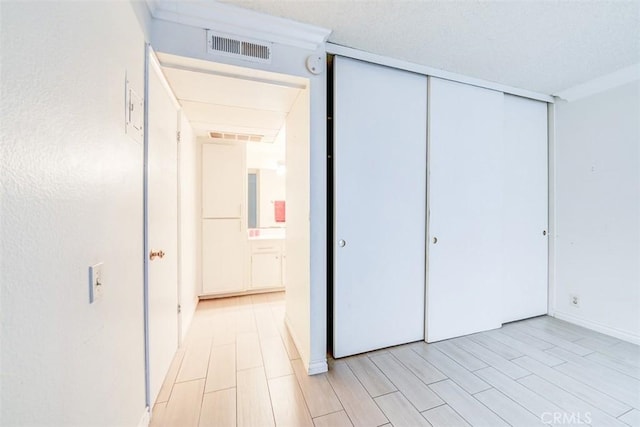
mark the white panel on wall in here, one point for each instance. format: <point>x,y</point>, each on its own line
<point>524,214</point>
<point>465,236</point>
<point>380,128</point>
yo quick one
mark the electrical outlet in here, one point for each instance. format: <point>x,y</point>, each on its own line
<point>95,283</point>
<point>574,300</point>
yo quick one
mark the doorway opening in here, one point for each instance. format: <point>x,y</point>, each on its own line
<point>243,187</point>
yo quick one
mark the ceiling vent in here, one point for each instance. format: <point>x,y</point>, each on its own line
<point>238,47</point>
<point>236,136</point>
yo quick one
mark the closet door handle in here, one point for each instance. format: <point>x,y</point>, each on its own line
<point>342,243</point>
<point>435,240</point>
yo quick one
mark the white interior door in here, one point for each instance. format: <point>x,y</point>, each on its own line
<point>465,198</point>
<point>162,293</point>
<point>524,291</point>
<point>380,125</point>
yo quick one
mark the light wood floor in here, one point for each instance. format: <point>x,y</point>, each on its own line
<point>239,366</point>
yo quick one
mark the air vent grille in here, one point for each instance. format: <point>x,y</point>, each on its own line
<point>224,44</point>
<point>238,47</point>
<point>236,136</point>
<point>256,50</point>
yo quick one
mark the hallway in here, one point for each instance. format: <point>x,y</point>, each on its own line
<point>239,366</point>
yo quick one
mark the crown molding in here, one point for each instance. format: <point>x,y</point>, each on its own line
<point>601,84</point>
<point>225,18</point>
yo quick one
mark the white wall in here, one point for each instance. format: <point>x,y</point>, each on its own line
<point>597,192</point>
<point>189,41</point>
<point>71,197</point>
<point>297,239</point>
<point>190,224</point>
<point>272,187</point>
<point>266,155</point>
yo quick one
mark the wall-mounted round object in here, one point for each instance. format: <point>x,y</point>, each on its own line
<point>315,64</point>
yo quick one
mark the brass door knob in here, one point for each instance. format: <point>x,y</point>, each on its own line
<point>156,254</point>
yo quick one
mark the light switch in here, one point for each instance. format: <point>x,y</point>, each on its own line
<point>134,114</point>
<point>95,282</point>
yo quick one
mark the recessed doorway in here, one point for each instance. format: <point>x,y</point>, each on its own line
<point>243,186</point>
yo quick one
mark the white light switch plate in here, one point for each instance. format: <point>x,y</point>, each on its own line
<point>134,114</point>
<point>95,282</point>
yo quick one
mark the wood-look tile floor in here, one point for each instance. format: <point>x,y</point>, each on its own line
<point>239,367</point>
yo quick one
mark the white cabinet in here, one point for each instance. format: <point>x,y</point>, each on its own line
<point>224,236</point>
<point>266,264</point>
<point>223,256</point>
<point>266,271</point>
<point>223,180</point>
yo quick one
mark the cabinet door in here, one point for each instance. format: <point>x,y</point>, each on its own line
<point>266,271</point>
<point>223,180</point>
<point>223,254</point>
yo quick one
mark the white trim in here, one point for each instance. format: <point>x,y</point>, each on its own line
<point>318,367</point>
<point>601,84</point>
<point>434,72</point>
<point>282,83</point>
<point>179,283</point>
<point>599,327</point>
<point>552,231</point>
<point>155,63</point>
<point>312,367</point>
<point>427,228</point>
<point>242,22</point>
<point>145,419</point>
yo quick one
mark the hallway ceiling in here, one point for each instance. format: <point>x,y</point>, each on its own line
<point>227,99</point>
<point>544,46</point>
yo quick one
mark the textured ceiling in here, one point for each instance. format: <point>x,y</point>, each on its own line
<point>544,46</point>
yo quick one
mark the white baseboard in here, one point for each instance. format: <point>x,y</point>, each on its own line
<point>599,327</point>
<point>145,419</point>
<point>318,367</point>
<point>312,367</point>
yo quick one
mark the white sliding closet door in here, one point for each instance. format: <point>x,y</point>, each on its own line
<point>380,124</point>
<point>465,221</point>
<point>524,286</point>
